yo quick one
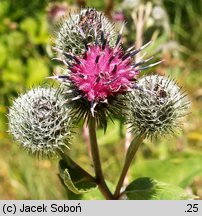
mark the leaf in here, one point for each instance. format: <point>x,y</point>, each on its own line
<point>73,179</point>
<point>149,189</point>
<point>180,169</point>
<point>93,195</point>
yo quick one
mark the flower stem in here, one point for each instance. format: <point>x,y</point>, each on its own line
<point>129,157</point>
<point>96,161</point>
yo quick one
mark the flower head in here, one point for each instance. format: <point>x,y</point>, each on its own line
<point>96,80</point>
<point>40,122</point>
<point>157,106</point>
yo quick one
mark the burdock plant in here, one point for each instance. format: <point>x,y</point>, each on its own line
<point>100,80</point>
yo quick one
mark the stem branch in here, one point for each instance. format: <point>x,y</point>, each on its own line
<point>128,160</point>
<point>96,161</point>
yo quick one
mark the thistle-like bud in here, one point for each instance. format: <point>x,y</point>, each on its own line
<point>81,29</point>
<point>40,122</point>
<point>157,106</point>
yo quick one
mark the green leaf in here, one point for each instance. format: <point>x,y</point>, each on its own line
<point>93,195</point>
<point>73,179</point>
<point>180,169</point>
<point>149,189</point>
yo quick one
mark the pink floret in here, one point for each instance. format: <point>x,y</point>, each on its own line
<point>102,73</point>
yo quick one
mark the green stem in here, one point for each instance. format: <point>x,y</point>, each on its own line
<point>68,160</point>
<point>96,160</point>
<point>128,160</point>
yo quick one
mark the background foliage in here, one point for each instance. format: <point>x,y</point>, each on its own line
<point>25,61</point>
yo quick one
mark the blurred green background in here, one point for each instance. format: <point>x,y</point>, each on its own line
<point>26,36</point>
